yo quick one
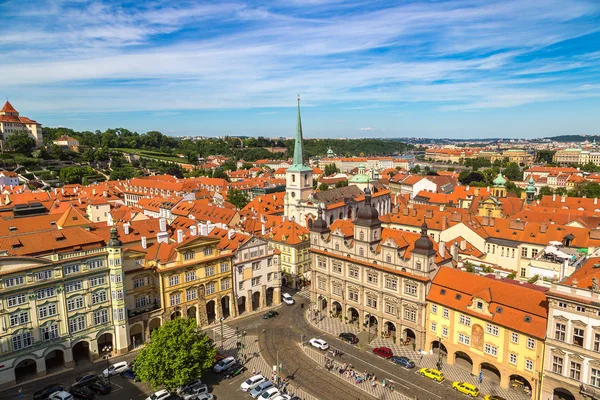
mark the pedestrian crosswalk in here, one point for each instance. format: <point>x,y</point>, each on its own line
<point>228,332</point>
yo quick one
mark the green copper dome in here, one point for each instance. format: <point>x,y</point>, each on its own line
<point>499,181</point>
<point>531,186</point>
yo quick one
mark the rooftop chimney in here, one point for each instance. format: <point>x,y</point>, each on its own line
<point>193,230</point>
<point>162,237</point>
<point>163,224</point>
<point>463,245</point>
<point>144,243</point>
<point>93,191</point>
<point>179,235</point>
<point>126,228</point>
<point>454,250</point>
<point>210,226</point>
<point>563,199</point>
<point>263,229</point>
<point>543,227</point>
<point>230,234</point>
<point>203,229</point>
<point>554,197</point>
<point>442,248</point>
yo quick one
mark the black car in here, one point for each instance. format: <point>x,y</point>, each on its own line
<point>270,314</point>
<point>404,361</point>
<point>101,386</point>
<point>129,374</point>
<point>82,392</point>
<point>173,397</point>
<point>43,394</point>
<point>85,380</point>
<point>348,337</point>
<point>234,370</point>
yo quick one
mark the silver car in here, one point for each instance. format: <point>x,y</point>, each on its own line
<point>254,393</point>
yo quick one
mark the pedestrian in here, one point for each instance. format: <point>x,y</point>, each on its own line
<point>373,384</point>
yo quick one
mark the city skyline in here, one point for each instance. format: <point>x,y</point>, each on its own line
<point>419,69</point>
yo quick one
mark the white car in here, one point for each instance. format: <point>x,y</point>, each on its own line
<point>194,392</point>
<point>205,396</point>
<point>223,364</point>
<point>252,382</point>
<point>269,393</point>
<point>161,394</point>
<point>283,397</point>
<point>115,369</point>
<point>62,395</point>
<point>189,385</point>
<point>319,343</point>
<point>257,391</point>
<point>287,299</point>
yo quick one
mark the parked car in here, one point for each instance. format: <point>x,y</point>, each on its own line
<point>61,395</point>
<point>466,388</point>
<point>493,397</point>
<point>129,374</point>
<point>348,337</point>
<point>189,385</point>
<point>82,393</point>
<point>85,380</point>
<point>47,390</point>
<point>432,374</point>
<point>254,393</point>
<point>101,387</point>
<point>283,397</point>
<point>115,369</point>
<point>193,392</point>
<point>384,352</point>
<point>287,299</point>
<point>270,314</point>
<point>205,396</point>
<point>224,364</point>
<point>319,343</point>
<point>160,395</point>
<point>404,361</point>
<point>252,382</point>
<point>234,370</point>
<point>269,393</point>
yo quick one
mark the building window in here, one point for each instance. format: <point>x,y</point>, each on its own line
<point>174,280</point>
<point>47,310</point>
<point>22,341</point>
<point>595,377</point>
<point>14,281</point>
<point>322,264</point>
<point>444,331</point>
<point>580,309</point>
<point>320,284</point>
<point>479,305</point>
<point>391,283</point>
<point>45,293</point>
<point>95,264</point>
<point>560,331</point>
<point>210,271</point>
<point>433,327</point>
<point>255,266</point>
<point>514,337</point>
<point>117,294</point>
<point>491,329</point>
<point>465,320</point>
<point>119,314</point>
<point>524,252</point>
<point>464,339</point>
<point>142,301</point>
<point>42,275</point>
<point>445,313</point>
<point>337,267</point>
<point>534,253</point>
<point>410,314</point>
<point>512,358</point>
<point>99,297</point>
<point>74,303</point>
<point>434,308</point>
<point>523,272</point>
<point>353,295</point>
<point>19,318</point>
<point>557,365</point>
<point>189,255</point>
<point>372,302</point>
<point>100,317</point>
<point>210,288</point>
<point>116,278</point>
<point>491,349</point>
<point>190,276</point>
<point>529,365</point>
<point>530,343</point>
<point>225,266</point>
<point>17,300</point>
<point>208,251</point>
<point>578,336</point>
<point>49,332</point>
<point>597,342</point>
<point>337,290</point>
<point>71,269</point>
<point>140,282</point>
<point>372,277</point>
<point>390,308</point>
<point>97,280</point>
<point>73,286</point>
<point>388,259</point>
<point>410,289</point>
<point>353,272</point>
<point>575,371</point>
<point>77,324</point>
<point>418,265</point>
<point>191,294</point>
<point>562,304</point>
<point>175,299</point>
<point>225,284</point>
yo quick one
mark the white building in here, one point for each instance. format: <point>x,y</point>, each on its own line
<point>11,122</point>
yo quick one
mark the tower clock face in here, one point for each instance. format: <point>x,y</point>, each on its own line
<point>293,194</point>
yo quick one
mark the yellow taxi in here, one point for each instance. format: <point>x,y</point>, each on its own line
<point>466,388</point>
<point>493,397</point>
<point>432,374</point>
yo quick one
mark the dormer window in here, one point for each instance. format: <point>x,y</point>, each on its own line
<point>479,305</point>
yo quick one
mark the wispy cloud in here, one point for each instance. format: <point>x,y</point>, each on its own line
<point>368,128</point>
<point>161,56</point>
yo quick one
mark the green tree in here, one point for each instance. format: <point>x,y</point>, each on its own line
<point>219,173</point>
<point>21,142</point>
<point>178,352</point>
<point>544,191</point>
<point>323,186</point>
<point>340,184</point>
<point>513,172</point>
<point>238,198</point>
<point>330,169</point>
<point>415,170</point>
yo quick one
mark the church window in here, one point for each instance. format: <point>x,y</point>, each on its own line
<point>293,178</point>
<point>362,236</point>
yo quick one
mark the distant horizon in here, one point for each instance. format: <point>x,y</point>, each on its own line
<point>458,69</point>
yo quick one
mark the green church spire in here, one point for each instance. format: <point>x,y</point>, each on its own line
<point>298,164</point>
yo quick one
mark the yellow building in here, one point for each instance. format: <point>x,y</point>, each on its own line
<point>488,326</point>
<point>189,277</point>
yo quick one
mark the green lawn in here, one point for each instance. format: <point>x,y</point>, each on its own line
<point>152,154</point>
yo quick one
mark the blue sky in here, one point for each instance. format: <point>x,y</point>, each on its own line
<point>510,68</point>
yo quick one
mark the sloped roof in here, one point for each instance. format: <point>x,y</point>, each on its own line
<point>72,217</point>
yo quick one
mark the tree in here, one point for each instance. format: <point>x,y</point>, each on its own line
<point>544,191</point>
<point>340,184</point>
<point>238,198</point>
<point>21,142</point>
<point>513,172</point>
<point>178,352</point>
<point>415,170</point>
<point>323,187</point>
<point>219,173</point>
<point>330,169</point>
<point>467,178</point>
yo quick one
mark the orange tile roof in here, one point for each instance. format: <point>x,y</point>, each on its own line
<point>72,217</point>
<point>45,242</point>
<point>582,277</point>
<point>456,289</point>
<point>17,226</point>
<point>288,232</point>
<point>8,108</point>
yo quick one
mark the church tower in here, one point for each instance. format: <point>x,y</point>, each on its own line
<point>117,288</point>
<point>298,178</point>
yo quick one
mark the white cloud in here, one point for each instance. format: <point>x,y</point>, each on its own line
<point>368,128</point>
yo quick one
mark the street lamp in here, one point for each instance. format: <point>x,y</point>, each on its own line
<point>369,326</point>
<point>106,350</point>
<point>439,362</point>
<point>221,321</point>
